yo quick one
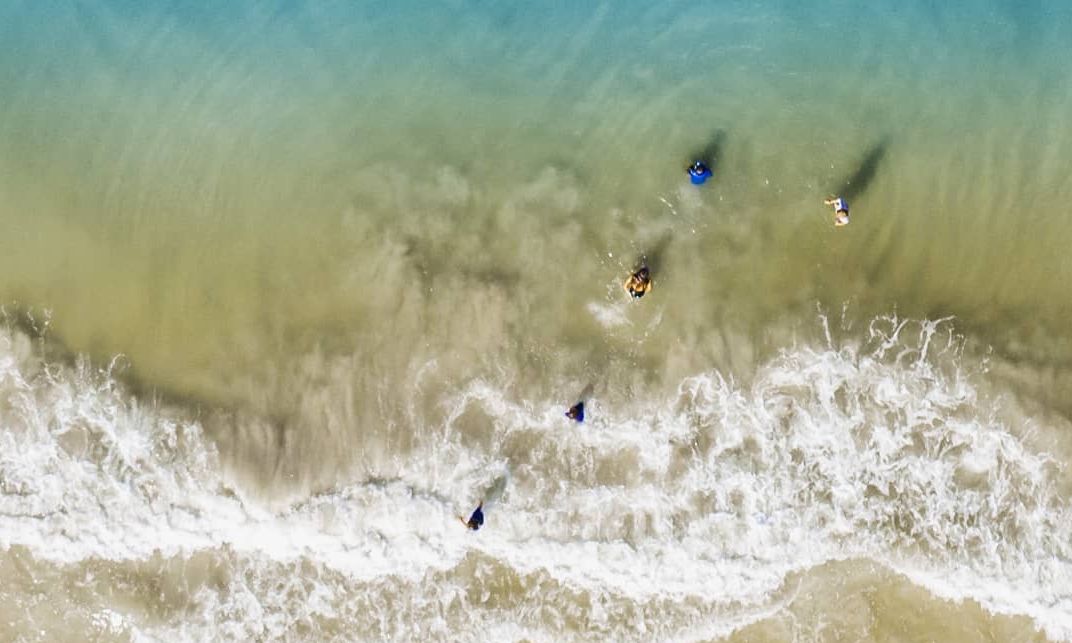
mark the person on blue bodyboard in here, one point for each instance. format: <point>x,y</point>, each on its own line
<point>699,173</point>
<point>576,412</point>
<point>476,520</point>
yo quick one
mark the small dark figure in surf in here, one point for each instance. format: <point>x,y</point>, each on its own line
<point>841,210</point>
<point>698,173</point>
<point>639,283</point>
<point>477,519</point>
<point>576,412</point>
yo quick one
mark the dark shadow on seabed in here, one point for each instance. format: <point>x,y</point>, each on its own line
<point>857,183</point>
<point>586,392</point>
<point>653,257</point>
<point>711,153</point>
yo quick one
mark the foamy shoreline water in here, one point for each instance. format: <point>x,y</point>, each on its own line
<point>723,519</point>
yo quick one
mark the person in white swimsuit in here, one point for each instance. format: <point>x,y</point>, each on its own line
<point>841,210</point>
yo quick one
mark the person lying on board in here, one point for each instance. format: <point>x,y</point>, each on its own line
<point>576,412</point>
<point>476,520</point>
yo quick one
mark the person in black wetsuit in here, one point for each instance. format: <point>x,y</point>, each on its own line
<point>576,412</point>
<point>477,519</point>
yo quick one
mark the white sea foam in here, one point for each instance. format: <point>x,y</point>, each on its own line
<point>672,518</point>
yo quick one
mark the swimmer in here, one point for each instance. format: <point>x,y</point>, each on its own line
<point>576,412</point>
<point>698,173</point>
<point>841,210</point>
<point>639,283</point>
<point>475,520</point>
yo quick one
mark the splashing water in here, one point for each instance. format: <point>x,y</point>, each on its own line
<point>686,517</point>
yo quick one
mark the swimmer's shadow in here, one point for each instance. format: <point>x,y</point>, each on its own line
<point>654,256</point>
<point>857,183</point>
<point>711,153</point>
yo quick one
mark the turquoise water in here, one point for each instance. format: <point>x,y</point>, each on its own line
<point>366,252</point>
